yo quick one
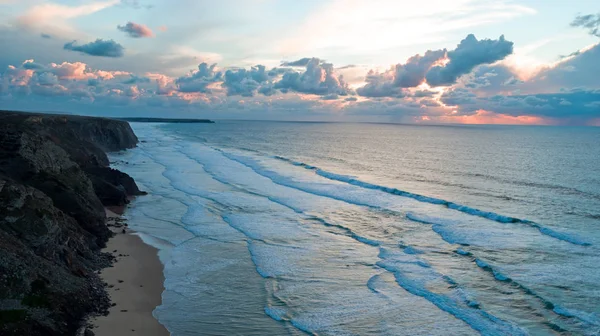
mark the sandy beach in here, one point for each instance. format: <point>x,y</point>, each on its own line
<point>135,287</point>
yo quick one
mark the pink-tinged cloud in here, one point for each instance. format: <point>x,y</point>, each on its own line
<point>80,71</point>
<point>51,12</point>
<point>488,117</point>
<point>18,76</point>
<point>136,30</point>
<point>310,89</point>
<point>68,70</point>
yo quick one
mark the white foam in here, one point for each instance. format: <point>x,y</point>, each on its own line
<point>451,205</point>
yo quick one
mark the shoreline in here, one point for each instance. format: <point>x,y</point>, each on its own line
<point>135,283</point>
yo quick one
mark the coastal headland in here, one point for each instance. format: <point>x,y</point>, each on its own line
<point>55,185</point>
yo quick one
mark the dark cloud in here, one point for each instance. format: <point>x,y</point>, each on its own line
<point>333,96</point>
<point>135,79</point>
<point>136,30</point>
<point>410,74</point>
<point>267,90</point>
<point>458,96</point>
<point>279,71</point>
<point>247,82</point>
<point>575,53</point>
<point>199,80</point>
<point>491,78</point>
<point>49,90</point>
<point>319,78</point>
<point>100,47</point>
<point>379,85</point>
<point>299,63</point>
<point>46,78</point>
<point>467,55</point>
<point>574,103</point>
<point>413,72</point>
<point>206,71</point>
<point>46,36</point>
<point>428,102</point>
<point>590,22</point>
<point>430,67</point>
<point>424,93</point>
<point>31,65</point>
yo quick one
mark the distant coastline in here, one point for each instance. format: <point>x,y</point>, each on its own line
<point>168,120</point>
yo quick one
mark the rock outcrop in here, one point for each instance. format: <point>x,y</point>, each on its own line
<point>54,184</point>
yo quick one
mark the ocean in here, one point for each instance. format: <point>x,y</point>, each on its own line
<point>283,228</point>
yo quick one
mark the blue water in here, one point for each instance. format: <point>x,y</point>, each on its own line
<point>272,228</point>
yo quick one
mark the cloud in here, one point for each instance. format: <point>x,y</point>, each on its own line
<point>136,30</point>
<point>135,4</point>
<point>435,67</point>
<point>319,79</point>
<point>490,79</point>
<point>133,79</point>
<point>46,36</point>
<point>31,64</point>
<point>199,80</point>
<point>458,97</point>
<point>74,71</point>
<point>247,82</point>
<point>51,12</point>
<point>467,55</point>
<point>68,70</point>
<point>572,104</point>
<point>590,22</point>
<point>75,83</point>
<point>408,75</point>
<point>379,85</point>
<point>100,47</point>
<point>413,72</point>
<point>299,63</point>
<point>332,96</point>
<point>580,70</point>
<point>47,78</point>
<point>481,90</point>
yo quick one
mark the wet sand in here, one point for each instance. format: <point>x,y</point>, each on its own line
<point>135,287</point>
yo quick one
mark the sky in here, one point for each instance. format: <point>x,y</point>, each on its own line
<point>426,61</point>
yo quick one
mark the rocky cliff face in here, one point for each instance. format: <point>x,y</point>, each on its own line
<point>54,183</point>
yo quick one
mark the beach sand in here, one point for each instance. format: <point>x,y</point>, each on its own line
<point>135,287</point>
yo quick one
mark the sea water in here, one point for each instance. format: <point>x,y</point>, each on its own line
<point>278,228</point>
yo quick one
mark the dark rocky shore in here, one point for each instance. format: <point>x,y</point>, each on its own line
<point>55,181</point>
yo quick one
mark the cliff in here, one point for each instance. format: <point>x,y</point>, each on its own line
<point>54,184</point>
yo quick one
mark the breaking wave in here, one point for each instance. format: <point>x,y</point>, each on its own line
<point>451,205</point>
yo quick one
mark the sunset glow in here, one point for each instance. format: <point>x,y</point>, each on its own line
<point>383,60</point>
